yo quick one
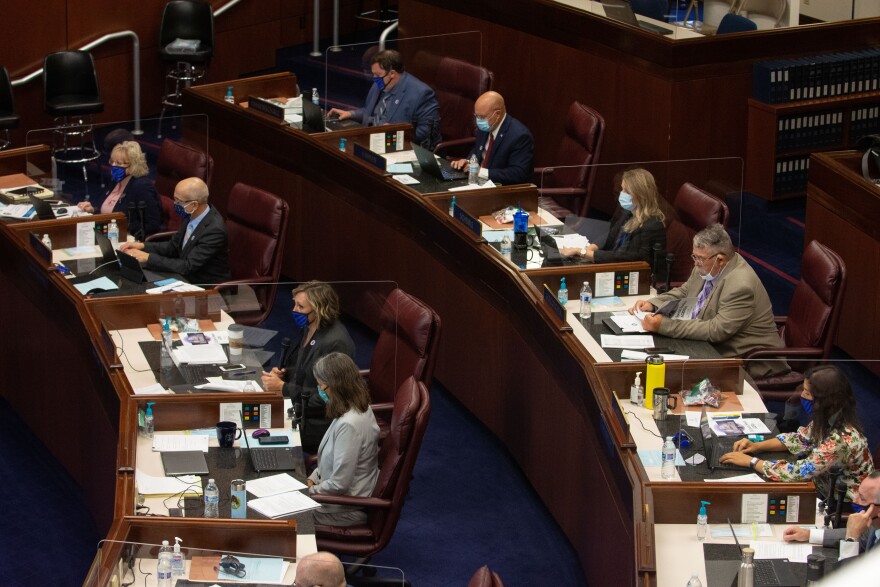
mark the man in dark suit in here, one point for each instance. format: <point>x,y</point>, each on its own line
<point>397,96</point>
<point>198,251</point>
<point>504,146</point>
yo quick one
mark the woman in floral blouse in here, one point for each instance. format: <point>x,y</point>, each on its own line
<point>834,436</point>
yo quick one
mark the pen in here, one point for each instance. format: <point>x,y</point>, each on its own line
<point>238,373</point>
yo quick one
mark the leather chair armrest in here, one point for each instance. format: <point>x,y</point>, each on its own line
<point>539,171</point>
<point>570,192</point>
<point>457,146</point>
<point>809,352</point>
<point>160,237</point>
<point>247,281</point>
<point>364,502</point>
<point>365,373</point>
<point>382,408</point>
<point>780,321</point>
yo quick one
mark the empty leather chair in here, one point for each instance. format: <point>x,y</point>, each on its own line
<point>484,577</point>
<point>766,14</point>
<point>458,84</point>
<point>565,188</point>
<point>186,40</point>
<point>811,325</point>
<point>734,23</point>
<point>177,161</point>
<point>71,93</point>
<point>256,224</point>
<point>8,118</point>
<point>397,458</point>
<point>693,210</point>
<point>409,334</point>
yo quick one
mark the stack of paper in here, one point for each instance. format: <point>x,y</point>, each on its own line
<point>283,504</point>
<point>220,384</point>
<point>202,354</point>
<point>179,442</point>
<point>183,485</point>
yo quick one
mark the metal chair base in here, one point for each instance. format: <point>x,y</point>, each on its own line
<point>65,153</point>
<point>182,75</point>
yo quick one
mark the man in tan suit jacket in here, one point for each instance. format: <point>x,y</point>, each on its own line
<point>732,309</point>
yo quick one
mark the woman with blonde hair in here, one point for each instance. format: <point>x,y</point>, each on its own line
<point>128,167</point>
<point>637,224</point>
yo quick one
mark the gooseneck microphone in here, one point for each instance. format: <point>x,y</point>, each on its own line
<point>142,230</point>
<point>655,266</point>
<point>285,349</point>
<point>834,471</point>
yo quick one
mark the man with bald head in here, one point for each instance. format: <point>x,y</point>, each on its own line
<point>198,251</point>
<point>504,146</point>
<point>321,568</point>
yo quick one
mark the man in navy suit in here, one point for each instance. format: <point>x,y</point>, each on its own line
<point>198,251</point>
<point>504,147</point>
<point>397,96</point>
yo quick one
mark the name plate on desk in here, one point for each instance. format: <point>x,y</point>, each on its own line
<point>370,157</point>
<point>472,223</point>
<point>553,302</point>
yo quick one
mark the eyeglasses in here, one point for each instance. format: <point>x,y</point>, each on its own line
<point>183,202</point>
<point>702,260</point>
<point>118,164</point>
<point>231,566</point>
<point>487,117</point>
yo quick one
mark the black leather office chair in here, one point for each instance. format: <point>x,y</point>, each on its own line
<point>8,118</point>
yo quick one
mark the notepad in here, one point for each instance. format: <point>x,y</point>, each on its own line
<point>202,354</point>
<point>99,283</point>
<point>283,504</point>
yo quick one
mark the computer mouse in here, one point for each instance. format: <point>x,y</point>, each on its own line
<point>95,290</point>
<point>59,211</point>
<point>260,433</point>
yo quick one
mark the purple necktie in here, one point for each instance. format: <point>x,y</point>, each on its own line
<point>701,299</point>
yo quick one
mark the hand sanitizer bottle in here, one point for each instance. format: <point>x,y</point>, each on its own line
<point>149,423</point>
<point>229,97</point>
<point>637,392</point>
<point>702,522</point>
<point>452,207</point>
<point>178,564</point>
<point>562,294</point>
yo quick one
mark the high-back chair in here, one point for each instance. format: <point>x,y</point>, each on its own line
<point>397,459</point>
<point>813,317</point>
<point>766,14</point>
<point>177,161</point>
<point>693,210</point>
<point>734,23</point>
<point>71,96</point>
<point>409,334</point>
<point>256,225</point>
<point>186,43</point>
<point>458,84</point>
<point>565,191</point>
<point>8,118</point>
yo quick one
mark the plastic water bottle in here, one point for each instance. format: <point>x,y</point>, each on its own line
<point>473,170</point>
<point>667,469</point>
<point>47,242</point>
<point>315,98</point>
<point>562,294</point>
<point>113,233</point>
<point>506,245</point>
<point>212,500</point>
<point>695,581</point>
<point>586,300</point>
<point>163,569</point>
<point>229,97</point>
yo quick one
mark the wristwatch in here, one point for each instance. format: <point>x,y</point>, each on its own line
<point>583,251</point>
<point>849,539</point>
<point>753,462</point>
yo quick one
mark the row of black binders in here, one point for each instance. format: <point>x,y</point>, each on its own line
<point>791,175</point>
<point>864,121</point>
<point>816,77</point>
<point>804,131</point>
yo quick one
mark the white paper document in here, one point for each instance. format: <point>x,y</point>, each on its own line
<point>202,354</point>
<point>405,179</point>
<point>176,286</point>
<point>748,478</point>
<point>150,485</point>
<point>640,356</point>
<point>220,384</point>
<point>629,341</point>
<point>273,485</point>
<point>795,552</point>
<point>283,504</point>
<point>179,442</point>
<point>473,186</point>
<point>153,389</point>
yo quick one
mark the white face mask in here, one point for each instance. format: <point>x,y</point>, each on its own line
<point>708,276</point>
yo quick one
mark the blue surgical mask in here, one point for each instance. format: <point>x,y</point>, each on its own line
<point>380,82</point>
<point>626,201</point>
<point>300,319</point>
<point>117,173</point>
<point>322,392</point>
<point>181,211</point>
<point>807,405</point>
<point>858,508</point>
<point>483,124</point>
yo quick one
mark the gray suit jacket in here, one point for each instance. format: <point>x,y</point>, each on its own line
<point>831,538</point>
<point>737,318</point>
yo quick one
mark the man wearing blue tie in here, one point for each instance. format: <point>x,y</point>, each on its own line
<point>198,251</point>
<point>862,526</point>
<point>731,309</point>
<point>397,96</point>
<point>504,147</point>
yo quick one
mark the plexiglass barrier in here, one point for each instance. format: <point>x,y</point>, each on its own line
<point>137,563</point>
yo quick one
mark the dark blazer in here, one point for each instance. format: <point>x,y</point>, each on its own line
<point>639,244</point>
<point>298,376</point>
<point>204,259</point>
<point>413,101</point>
<point>139,189</point>
<point>512,158</point>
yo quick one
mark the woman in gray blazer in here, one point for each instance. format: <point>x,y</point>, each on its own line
<point>348,456</point>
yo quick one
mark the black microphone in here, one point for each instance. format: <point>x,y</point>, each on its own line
<point>841,495</point>
<point>131,216</point>
<point>142,232</point>
<point>285,349</point>
<point>655,265</point>
<point>670,259</point>
<point>834,471</point>
<point>304,396</point>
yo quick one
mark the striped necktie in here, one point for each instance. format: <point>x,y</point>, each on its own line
<point>702,298</point>
<point>485,162</point>
<point>381,112</point>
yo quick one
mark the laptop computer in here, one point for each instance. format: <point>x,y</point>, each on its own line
<point>186,462</point>
<point>269,459</point>
<point>623,12</point>
<point>716,446</point>
<point>44,210</point>
<point>442,169</point>
<point>774,572</point>
<point>129,267</point>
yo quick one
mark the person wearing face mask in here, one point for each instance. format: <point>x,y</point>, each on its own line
<point>731,309</point>
<point>833,436</point>
<point>504,147</point>
<point>637,223</point>
<point>348,456</point>
<point>198,251</point>
<point>862,531</point>
<point>315,312</point>
<point>395,97</point>
<point>128,168</point>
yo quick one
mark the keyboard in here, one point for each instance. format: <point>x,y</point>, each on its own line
<point>452,174</point>
<point>724,445</point>
<point>765,573</point>
<point>264,460</point>
<point>197,373</point>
